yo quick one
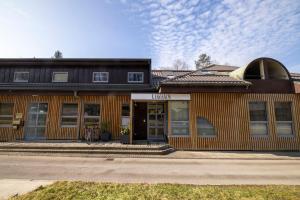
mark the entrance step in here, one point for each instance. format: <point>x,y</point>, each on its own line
<point>83,148</point>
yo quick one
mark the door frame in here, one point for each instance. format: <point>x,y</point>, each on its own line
<point>156,127</point>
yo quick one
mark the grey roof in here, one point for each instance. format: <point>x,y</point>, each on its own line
<point>161,75</point>
<point>201,78</point>
<point>220,68</point>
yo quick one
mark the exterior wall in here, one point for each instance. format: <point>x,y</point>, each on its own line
<point>110,111</point>
<point>229,113</point>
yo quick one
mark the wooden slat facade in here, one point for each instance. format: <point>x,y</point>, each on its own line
<point>110,111</point>
<point>229,114</point>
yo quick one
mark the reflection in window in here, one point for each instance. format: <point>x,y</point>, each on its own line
<point>69,115</point>
<point>6,114</point>
<point>125,118</point>
<point>91,114</point>
<point>284,119</point>
<point>179,117</point>
<point>258,119</point>
<point>205,128</point>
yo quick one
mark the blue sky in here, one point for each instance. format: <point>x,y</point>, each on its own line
<point>230,31</point>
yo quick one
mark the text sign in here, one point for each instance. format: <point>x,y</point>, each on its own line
<point>160,97</point>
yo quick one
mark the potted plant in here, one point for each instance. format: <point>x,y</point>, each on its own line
<point>105,134</point>
<point>124,135</point>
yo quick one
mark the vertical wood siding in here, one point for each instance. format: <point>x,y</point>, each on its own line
<point>229,114</point>
<point>110,111</point>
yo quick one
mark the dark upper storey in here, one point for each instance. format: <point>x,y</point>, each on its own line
<point>80,74</point>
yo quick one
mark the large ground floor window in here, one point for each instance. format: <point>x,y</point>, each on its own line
<point>284,119</point>
<point>179,118</point>
<point>91,114</point>
<point>258,119</point>
<point>6,114</point>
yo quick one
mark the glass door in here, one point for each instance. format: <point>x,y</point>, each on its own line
<point>156,121</point>
<point>36,121</point>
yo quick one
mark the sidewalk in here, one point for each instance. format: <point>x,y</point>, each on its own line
<point>12,187</point>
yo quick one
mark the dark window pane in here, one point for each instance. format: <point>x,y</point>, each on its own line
<point>66,121</point>
<point>69,110</point>
<point>283,111</point>
<point>205,128</point>
<point>6,108</point>
<point>258,111</point>
<point>125,110</point>
<point>91,110</point>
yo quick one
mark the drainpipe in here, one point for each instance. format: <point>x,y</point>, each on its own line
<point>80,109</point>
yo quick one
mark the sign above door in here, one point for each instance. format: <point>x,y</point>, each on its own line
<point>160,97</point>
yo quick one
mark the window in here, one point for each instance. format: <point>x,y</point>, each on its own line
<point>6,114</point>
<point>69,115</point>
<point>135,77</point>
<point>205,128</point>
<point>60,77</point>
<point>91,114</point>
<point>125,116</point>
<point>21,77</point>
<point>179,117</point>
<point>284,119</point>
<point>101,77</point>
<point>258,118</point>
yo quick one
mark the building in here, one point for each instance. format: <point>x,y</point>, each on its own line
<point>220,107</point>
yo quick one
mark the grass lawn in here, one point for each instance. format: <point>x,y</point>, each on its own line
<point>88,190</point>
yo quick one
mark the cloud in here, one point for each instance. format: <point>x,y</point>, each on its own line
<point>230,31</point>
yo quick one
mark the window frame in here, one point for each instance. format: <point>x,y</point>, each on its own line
<point>289,122</point>
<point>100,76</point>
<point>205,136</point>
<point>69,116</point>
<point>142,81</point>
<point>12,115</point>
<point>15,81</point>
<point>259,122</point>
<point>53,75</point>
<point>125,116</point>
<point>91,117</point>
<point>188,121</point>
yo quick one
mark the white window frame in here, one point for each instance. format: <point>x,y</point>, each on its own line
<point>100,76</point>
<point>259,122</point>
<point>125,117</point>
<point>53,75</point>
<point>20,81</point>
<point>142,81</point>
<point>12,116</point>
<point>68,116</point>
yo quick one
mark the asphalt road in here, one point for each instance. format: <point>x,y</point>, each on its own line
<point>145,170</point>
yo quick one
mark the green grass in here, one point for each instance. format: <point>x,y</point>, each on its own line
<point>88,190</point>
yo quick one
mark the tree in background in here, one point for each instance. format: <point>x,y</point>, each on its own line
<point>203,61</point>
<point>180,65</point>
<point>58,54</point>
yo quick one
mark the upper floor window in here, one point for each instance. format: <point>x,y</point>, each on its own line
<point>6,114</point>
<point>100,77</point>
<point>60,77</point>
<point>258,118</point>
<point>21,77</point>
<point>284,119</point>
<point>205,128</point>
<point>135,77</point>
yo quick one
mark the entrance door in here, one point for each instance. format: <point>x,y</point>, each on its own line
<point>156,121</point>
<point>140,121</point>
<point>36,121</point>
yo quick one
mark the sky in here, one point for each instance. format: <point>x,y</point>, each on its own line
<point>231,31</point>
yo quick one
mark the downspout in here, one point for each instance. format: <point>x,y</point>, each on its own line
<point>80,109</point>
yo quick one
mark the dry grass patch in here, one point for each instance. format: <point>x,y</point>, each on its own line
<point>89,190</point>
